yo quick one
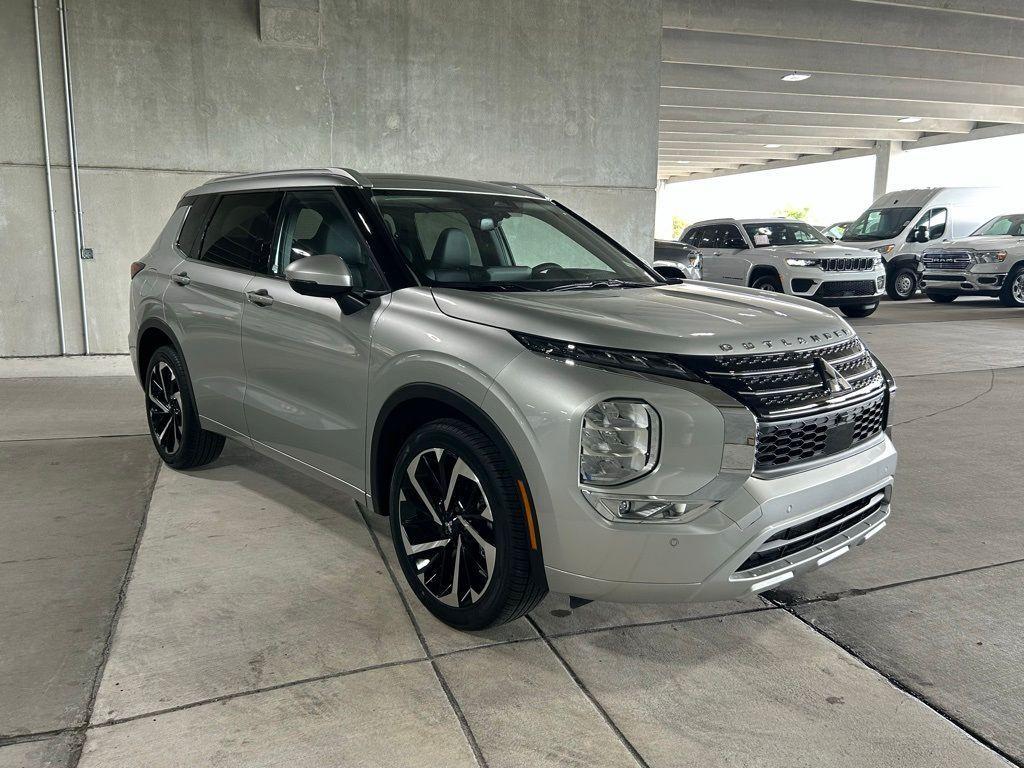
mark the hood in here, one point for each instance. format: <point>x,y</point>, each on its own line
<point>986,243</point>
<point>688,318</point>
<point>830,251</point>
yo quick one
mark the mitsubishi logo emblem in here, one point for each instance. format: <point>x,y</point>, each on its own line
<point>833,380</point>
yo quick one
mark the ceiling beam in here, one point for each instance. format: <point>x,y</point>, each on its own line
<point>811,160</point>
<point>721,150</point>
<point>679,139</point>
<point>1005,9</point>
<point>794,134</point>
<point>785,55</point>
<point>836,105</point>
<point>775,117</point>
<point>855,86</point>
<point>846,21</point>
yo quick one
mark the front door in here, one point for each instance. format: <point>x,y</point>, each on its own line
<point>306,361</point>
<point>206,294</point>
<point>732,255</point>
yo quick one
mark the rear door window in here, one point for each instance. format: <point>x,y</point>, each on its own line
<point>196,218</point>
<point>241,231</point>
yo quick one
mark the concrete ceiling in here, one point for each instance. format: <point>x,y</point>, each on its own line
<point>958,65</point>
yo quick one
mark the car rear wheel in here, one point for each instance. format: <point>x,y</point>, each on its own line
<point>859,310</point>
<point>942,298</point>
<point>769,283</point>
<point>902,284</point>
<point>172,415</point>
<point>462,527</point>
<point>1012,293</point>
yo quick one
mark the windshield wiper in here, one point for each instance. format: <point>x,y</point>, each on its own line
<point>485,286</point>
<point>600,284</point>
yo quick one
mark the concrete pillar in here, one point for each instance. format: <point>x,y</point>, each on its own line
<point>886,154</point>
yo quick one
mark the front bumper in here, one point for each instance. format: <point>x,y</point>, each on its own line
<point>980,280</point>
<point>668,554</point>
<point>836,289</point>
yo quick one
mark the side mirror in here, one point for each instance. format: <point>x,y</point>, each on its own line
<point>324,275</point>
<point>670,273</point>
<point>831,238</point>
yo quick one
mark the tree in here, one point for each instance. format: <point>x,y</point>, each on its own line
<point>678,225</point>
<point>800,214</point>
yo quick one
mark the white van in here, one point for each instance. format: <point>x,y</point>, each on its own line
<point>899,225</point>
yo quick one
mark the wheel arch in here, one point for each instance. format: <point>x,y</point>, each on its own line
<point>762,270</point>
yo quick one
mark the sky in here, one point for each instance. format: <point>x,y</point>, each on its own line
<point>839,190</point>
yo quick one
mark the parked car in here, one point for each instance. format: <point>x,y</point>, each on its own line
<point>988,263</point>
<point>674,259</point>
<point>900,225</point>
<point>788,256</point>
<point>835,231</point>
<point>533,407</point>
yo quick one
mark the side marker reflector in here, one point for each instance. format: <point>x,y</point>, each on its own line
<point>529,514</point>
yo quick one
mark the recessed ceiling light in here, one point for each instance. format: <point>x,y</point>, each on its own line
<point>772,146</point>
<point>683,162</point>
<point>795,77</point>
<point>909,120</point>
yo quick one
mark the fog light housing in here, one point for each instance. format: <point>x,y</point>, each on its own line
<point>620,508</point>
<point>880,281</point>
<point>618,442</point>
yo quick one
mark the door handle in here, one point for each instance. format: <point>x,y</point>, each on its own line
<point>181,278</point>
<point>717,253</point>
<point>260,298</point>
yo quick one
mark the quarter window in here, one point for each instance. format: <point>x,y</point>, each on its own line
<point>241,230</point>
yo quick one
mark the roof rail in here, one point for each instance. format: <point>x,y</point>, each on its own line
<point>522,187</point>
<point>353,175</point>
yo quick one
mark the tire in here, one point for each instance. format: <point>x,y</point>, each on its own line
<point>942,298</point>
<point>770,283</point>
<point>450,458</point>
<point>859,310</point>
<point>902,284</point>
<point>1012,293</point>
<point>172,415</point>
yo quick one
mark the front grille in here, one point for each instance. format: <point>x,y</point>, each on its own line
<point>802,536</point>
<point>952,260</point>
<point>780,444</point>
<point>839,288</point>
<point>847,264</point>
<point>781,384</point>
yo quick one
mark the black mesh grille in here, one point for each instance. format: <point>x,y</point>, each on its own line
<point>847,264</point>
<point>797,538</point>
<point>838,288</point>
<point>790,442</point>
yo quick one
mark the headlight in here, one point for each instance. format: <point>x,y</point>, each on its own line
<point>618,442</point>
<point>644,362</point>
<point>989,257</point>
<point>885,250</point>
<point>644,509</point>
<point>802,262</point>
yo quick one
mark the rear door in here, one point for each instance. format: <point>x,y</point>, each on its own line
<point>205,297</point>
<point>706,241</point>
<point>307,361</point>
<point>732,255</point>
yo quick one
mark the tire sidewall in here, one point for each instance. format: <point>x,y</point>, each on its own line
<point>893,290</point>
<point>760,282</point>
<point>190,420</point>
<point>485,610</point>
<point>1007,292</point>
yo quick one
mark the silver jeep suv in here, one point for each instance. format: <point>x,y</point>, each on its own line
<point>533,407</point>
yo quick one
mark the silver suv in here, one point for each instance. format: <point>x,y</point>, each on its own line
<point>533,407</point>
<point>787,256</point>
<point>988,263</point>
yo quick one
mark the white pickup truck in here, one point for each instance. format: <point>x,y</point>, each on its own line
<point>791,257</point>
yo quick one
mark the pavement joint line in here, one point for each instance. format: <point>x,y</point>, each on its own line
<point>633,751</point>
<point>952,373</point>
<point>657,623</point>
<point>858,592</point>
<point>23,738</point>
<point>899,685</point>
<point>71,437</point>
<point>254,691</point>
<point>445,688</point>
<point>108,642</point>
<point>974,399</point>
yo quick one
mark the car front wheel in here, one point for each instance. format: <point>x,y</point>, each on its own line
<point>462,527</point>
<point>1012,293</point>
<point>902,284</point>
<point>859,310</point>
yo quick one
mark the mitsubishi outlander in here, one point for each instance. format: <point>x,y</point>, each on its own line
<point>533,407</point>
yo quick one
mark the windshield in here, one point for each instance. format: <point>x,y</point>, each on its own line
<point>783,233</point>
<point>879,224</point>
<point>1012,225</point>
<point>490,242</point>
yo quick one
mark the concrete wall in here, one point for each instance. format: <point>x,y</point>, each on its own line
<point>561,94</point>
